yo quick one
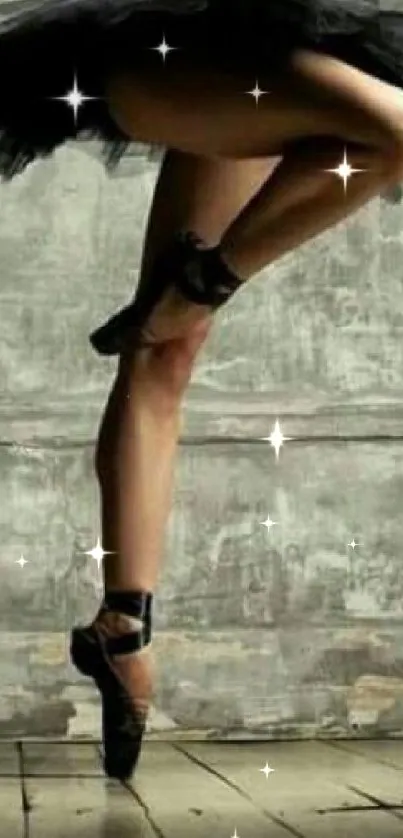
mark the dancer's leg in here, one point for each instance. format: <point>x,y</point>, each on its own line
<point>139,432</point>
<point>209,114</point>
<point>302,200</point>
<point>203,195</point>
<point>132,454</point>
<point>134,462</point>
<point>135,458</point>
<point>311,116</point>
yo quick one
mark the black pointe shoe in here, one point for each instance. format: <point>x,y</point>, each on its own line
<point>111,338</point>
<point>194,269</point>
<point>91,650</point>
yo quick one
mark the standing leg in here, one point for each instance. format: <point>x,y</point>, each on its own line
<point>135,462</point>
<point>208,195</point>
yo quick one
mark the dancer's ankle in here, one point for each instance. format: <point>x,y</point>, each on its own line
<point>124,612</point>
<point>114,623</point>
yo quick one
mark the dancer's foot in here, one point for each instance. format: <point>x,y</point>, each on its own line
<point>134,670</point>
<point>114,651</point>
<point>188,282</point>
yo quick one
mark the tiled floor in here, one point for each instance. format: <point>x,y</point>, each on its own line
<point>205,790</point>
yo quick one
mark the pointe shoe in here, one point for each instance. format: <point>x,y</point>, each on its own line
<point>186,263</point>
<point>92,652</point>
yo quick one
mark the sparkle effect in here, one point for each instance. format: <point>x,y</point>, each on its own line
<point>74,98</point>
<point>268,523</point>
<point>266,770</point>
<point>21,561</point>
<point>163,48</point>
<point>353,544</point>
<point>276,438</point>
<point>344,170</point>
<point>98,553</point>
<point>256,92</point>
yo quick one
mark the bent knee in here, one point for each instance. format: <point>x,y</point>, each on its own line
<point>181,350</point>
<point>172,362</point>
<point>163,371</point>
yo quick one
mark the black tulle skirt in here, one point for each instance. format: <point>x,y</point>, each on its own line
<point>46,44</point>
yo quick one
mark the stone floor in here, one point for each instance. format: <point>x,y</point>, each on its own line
<point>205,790</point>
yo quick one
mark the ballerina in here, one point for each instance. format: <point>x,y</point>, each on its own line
<point>241,184</point>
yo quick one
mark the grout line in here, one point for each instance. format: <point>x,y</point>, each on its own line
<point>309,440</point>
<point>340,746</point>
<point>32,775</point>
<point>205,441</point>
<point>25,803</point>
<point>230,783</point>
<point>145,809</point>
<point>207,735</point>
<point>143,806</point>
<point>382,806</point>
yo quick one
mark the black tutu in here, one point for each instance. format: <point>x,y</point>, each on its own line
<point>46,44</point>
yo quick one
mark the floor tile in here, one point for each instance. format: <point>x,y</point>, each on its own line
<point>85,808</point>
<point>11,809</point>
<point>188,802</point>
<point>313,791</point>
<point>64,759</point>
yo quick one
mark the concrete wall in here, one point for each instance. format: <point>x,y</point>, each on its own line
<point>287,632</point>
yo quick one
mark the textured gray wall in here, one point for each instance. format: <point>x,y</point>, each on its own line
<point>281,633</point>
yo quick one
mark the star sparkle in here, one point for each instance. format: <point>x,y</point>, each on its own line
<point>266,770</point>
<point>98,553</point>
<point>21,561</point>
<point>74,98</point>
<point>353,544</point>
<point>163,48</point>
<point>276,438</point>
<point>257,92</point>
<point>344,170</point>
<point>268,523</point>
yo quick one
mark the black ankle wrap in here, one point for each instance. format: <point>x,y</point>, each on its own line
<point>132,603</point>
<point>202,276</point>
<point>197,271</point>
<point>137,604</point>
